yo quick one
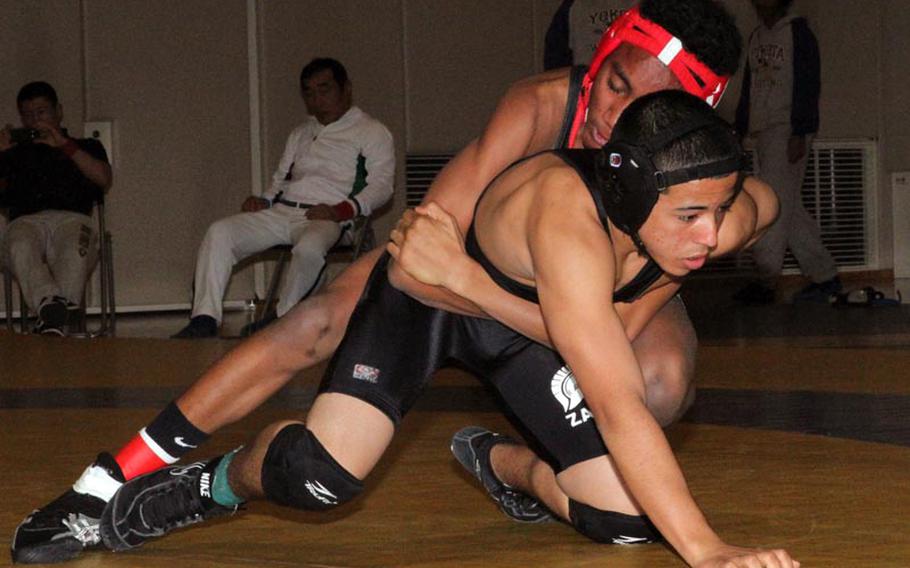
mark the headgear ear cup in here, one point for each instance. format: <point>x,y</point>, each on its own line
<point>630,196</point>
<point>635,182</point>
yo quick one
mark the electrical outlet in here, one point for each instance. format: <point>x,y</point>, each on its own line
<point>103,131</point>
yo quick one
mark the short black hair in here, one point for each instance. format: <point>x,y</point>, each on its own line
<point>653,114</point>
<point>339,73</point>
<point>704,27</point>
<point>34,90</point>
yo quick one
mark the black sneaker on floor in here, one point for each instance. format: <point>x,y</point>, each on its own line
<point>66,526</point>
<point>471,446</point>
<point>819,292</point>
<point>156,503</point>
<point>198,328</point>
<point>52,314</point>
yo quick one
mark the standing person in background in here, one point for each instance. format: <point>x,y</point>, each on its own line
<point>576,29</point>
<point>778,109</point>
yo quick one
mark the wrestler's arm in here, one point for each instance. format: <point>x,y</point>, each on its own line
<point>512,133</point>
<point>753,211</point>
<point>428,245</point>
<point>575,298</point>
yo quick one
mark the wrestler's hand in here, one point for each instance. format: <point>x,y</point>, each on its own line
<point>735,557</point>
<point>428,245</point>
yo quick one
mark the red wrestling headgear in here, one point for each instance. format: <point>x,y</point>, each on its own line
<point>632,28</point>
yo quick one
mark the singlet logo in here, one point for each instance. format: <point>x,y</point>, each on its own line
<point>615,160</point>
<point>366,373</point>
<point>565,391</point>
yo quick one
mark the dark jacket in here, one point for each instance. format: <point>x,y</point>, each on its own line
<point>806,84</point>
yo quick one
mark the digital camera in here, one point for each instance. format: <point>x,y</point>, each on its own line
<point>24,135</point>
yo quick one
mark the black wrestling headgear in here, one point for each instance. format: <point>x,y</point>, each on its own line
<point>631,183</point>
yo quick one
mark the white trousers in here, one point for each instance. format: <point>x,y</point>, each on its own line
<point>50,253</point>
<point>234,238</point>
<point>794,228</point>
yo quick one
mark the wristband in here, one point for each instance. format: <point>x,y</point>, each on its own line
<point>69,148</point>
<point>343,211</point>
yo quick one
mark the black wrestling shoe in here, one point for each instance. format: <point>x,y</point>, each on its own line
<point>156,503</point>
<point>471,446</point>
<point>66,526</point>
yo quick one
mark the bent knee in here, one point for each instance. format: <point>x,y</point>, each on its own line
<point>610,527</point>
<point>669,387</point>
<point>299,472</point>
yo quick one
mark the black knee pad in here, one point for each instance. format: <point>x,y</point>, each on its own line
<point>298,472</point>
<point>611,528</point>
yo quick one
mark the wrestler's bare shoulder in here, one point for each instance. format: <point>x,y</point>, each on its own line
<point>547,88</point>
<point>545,95</point>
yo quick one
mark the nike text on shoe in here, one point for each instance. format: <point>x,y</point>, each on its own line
<point>155,504</point>
<point>66,526</point>
<point>471,446</point>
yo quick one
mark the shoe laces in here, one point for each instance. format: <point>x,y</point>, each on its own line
<point>521,506</point>
<point>83,529</point>
<point>175,506</point>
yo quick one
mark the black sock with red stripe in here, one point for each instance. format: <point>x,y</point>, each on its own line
<point>164,441</point>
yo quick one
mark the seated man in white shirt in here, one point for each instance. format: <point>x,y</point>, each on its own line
<point>337,165</point>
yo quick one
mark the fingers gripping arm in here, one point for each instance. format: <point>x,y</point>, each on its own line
<point>432,265</point>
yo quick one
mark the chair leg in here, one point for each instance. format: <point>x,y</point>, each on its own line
<point>23,313</point>
<point>109,277</point>
<point>8,296</point>
<point>274,283</point>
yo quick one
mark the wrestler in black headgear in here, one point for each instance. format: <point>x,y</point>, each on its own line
<point>662,139</point>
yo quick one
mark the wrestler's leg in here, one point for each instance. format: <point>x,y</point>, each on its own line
<point>314,466</point>
<point>356,444</point>
<point>666,350</point>
<point>253,371</point>
<point>520,468</point>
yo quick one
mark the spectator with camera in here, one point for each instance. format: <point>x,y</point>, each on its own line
<point>49,183</point>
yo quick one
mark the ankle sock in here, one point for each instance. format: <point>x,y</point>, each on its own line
<point>221,486</point>
<point>164,441</point>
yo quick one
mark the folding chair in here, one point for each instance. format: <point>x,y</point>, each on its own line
<point>356,240</point>
<point>105,270</point>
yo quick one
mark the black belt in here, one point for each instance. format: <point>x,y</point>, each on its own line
<point>290,203</point>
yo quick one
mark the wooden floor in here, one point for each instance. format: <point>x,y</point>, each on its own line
<point>801,442</point>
